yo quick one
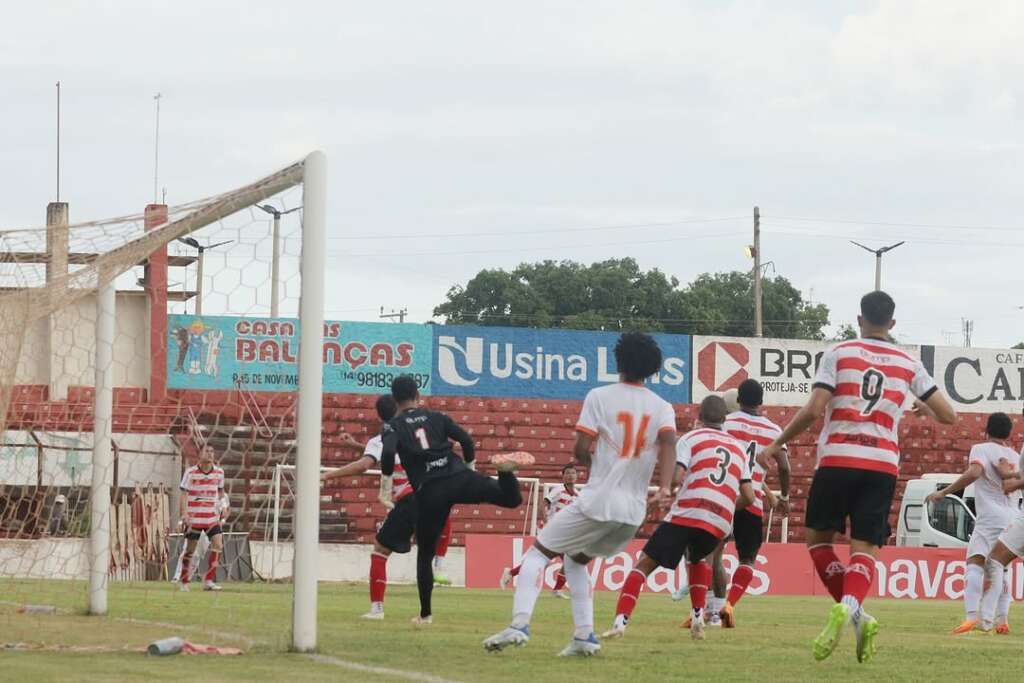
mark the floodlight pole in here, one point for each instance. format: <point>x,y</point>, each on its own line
<point>310,407</point>
<point>878,260</point>
<point>199,281</point>
<point>275,268</point>
<point>758,311</point>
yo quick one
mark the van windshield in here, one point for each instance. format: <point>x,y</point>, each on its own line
<point>950,516</point>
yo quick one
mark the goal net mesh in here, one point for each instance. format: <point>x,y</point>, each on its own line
<point>219,255</point>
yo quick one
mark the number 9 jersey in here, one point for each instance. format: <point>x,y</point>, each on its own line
<point>716,465</point>
<point>870,381</point>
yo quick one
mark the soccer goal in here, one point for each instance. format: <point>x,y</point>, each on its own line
<point>120,342</point>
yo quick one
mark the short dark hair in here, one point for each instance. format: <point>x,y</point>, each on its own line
<point>570,466</point>
<point>999,426</point>
<point>386,407</point>
<point>877,307</point>
<point>404,388</point>
<point>750,393</point>
<point>637,356</point>
<point>713,410</point>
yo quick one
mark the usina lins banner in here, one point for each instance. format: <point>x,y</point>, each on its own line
<point>261,354</point>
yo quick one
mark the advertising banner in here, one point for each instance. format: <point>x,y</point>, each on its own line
<point>215,352</point>
<point>781,569</point>
<point>530,363</point>
<point>784,367</point>
<point>978,380</point>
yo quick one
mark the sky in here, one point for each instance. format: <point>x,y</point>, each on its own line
<point>469,135</point>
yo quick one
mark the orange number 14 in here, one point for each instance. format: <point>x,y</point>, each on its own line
<point>632,445</point>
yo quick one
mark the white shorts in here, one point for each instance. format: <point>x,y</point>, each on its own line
<point>570,532</point>
<point>1013,537</point>
<point>984,538</point>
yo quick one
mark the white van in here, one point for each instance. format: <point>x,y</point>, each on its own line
<point>947,523</point>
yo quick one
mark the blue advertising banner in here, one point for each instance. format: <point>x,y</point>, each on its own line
<point>529,363</point>
<point>215,352</point>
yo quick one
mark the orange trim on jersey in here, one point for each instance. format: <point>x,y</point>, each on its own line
<point>859,464</point>
<point>585,430</point>
<point>699,524</point>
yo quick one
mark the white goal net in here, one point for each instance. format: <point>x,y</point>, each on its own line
<point>116,374</point>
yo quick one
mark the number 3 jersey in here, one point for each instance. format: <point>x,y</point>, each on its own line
<point>625,420</point>
<point>870,381</point>
<point>716,465</point>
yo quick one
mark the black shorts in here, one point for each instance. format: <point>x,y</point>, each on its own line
<point>670,542</point>
<point>396,532</point>
<point>864,496</point>
<point>748,532</point>
<point>193,534</point>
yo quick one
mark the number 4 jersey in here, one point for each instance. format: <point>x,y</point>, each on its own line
<point>754,432</point>
<point>625,420</point>
<point>716,465</point>
<point>870,381</point>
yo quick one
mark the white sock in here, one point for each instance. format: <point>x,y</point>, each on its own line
<point>1005,600</point>
<point>582,599</point>
<point>852,603</point>
<point>528,587</point>
<point>438,563</point>
<point>715,604</point>
<point>995,572</point>
<point>376,606</point>
<point>974,584</point>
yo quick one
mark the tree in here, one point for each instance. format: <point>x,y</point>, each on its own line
<point>1018,345</point>
<point>846,331</point>
<point>616,295</point>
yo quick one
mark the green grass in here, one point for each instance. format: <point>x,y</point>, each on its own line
<point>771,643</point>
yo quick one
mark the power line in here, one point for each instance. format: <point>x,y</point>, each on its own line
<point>536,231</point>
<point>922,240</point>
<point>934,226</point>
<point>549,247</point>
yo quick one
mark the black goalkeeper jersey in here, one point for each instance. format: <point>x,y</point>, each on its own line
<point>423,440</point>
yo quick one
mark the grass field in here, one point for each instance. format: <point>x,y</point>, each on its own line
<point>771,643</point>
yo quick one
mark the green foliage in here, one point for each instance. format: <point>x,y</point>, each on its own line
<point>1018,345</point>
<point>617,295</point>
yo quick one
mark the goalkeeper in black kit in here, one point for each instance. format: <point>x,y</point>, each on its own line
<point>423,441</point>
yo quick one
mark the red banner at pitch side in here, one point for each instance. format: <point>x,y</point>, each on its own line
<point>781,569</point>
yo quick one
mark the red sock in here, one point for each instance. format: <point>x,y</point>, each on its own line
<point>441,549</point>
<point>740,580</point>
<point>860,573</point>
<point>185,562</point>
<point>378,576</point>
<point>699,574</point>
<point>830,568</point>
<point>630,593</point>
<point>559,580</point>
<point>211,572</point>
<point>515,570</point>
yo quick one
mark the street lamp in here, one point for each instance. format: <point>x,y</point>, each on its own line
<point>878,259</point>
<point>276,252</point>
<point>191,241</point>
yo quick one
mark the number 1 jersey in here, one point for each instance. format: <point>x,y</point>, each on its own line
<point>625,420</point>
<point>870,381</point>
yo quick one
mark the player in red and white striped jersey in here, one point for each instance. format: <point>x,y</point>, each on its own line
<point>202,510</point>
<point>717,482</point>
<point>861,389</point>
<point>395,534</point>
<point>556,499</point>
<point>754,431</point>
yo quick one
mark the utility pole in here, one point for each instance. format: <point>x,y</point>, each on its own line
<point>878,259</point>
<point>156,149</point>
<point>758,313</point>
<point>58,141</point>
<point>394,314</point>
<point>968,330</point>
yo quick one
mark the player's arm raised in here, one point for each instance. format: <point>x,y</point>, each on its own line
<point>351,469</point>
<point>810,413</point>
<point>970,475</point>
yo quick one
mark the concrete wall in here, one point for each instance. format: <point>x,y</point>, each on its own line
<point>73,342</point>
<point>67,459</point>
